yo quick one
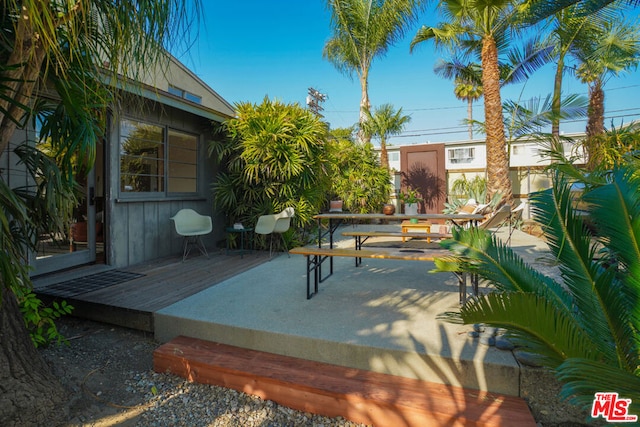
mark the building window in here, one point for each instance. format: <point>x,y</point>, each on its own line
<point>183,163</point>
<point>154,159</point>
<point>174,90</point>
<point>461,155</point>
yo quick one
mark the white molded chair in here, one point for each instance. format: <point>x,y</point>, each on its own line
<point>191,225</point>
<point>283,223</point>
<point>274,223</point>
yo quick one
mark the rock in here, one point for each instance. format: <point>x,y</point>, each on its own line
<point>526,358</point>
<point>473,334</point>
<point>503,343</point>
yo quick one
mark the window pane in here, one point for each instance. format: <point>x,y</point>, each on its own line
<point>141,157</point>
<point>183,162</point>
<point>193,97</point>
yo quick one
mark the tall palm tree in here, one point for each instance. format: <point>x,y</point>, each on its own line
<point>383,123</point>
<point>470,23</point>
<point>567,29</point>
<point>467,79</point>
<point>69,49</point>
<point>362,31</point>
<point>615,48</point>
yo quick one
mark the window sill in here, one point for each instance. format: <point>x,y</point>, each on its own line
<point>196,198</point>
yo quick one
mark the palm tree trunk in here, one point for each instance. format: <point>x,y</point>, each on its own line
<point>595,122</point>
<point>30,394</point>
<point>384,155</point>
<point>470,117</point>
<point>556,102</point>
<point>365,106</point>
<point>498,180</point>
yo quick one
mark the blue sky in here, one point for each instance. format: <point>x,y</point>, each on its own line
<point>251,49</point>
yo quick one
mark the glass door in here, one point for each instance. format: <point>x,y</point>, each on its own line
<point>82,241</point>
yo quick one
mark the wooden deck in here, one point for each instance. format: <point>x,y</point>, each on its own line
<point>165,282</point>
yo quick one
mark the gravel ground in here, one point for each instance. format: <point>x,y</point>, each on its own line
<point>108,372</point>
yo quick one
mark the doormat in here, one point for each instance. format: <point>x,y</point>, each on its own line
<point>90,283</point>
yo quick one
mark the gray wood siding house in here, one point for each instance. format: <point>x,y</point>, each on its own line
<point>152,162</point>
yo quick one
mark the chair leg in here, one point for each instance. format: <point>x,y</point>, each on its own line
<point>185,248</point>
<point>202,247</point>
<point>196,241</point>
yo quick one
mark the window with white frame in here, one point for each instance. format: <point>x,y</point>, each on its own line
<point>155,159</point>
<point>461,155</point>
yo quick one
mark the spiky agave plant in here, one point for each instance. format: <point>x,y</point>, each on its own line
<point>584,326</point>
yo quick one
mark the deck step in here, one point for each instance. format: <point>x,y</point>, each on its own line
<point>357,395</point>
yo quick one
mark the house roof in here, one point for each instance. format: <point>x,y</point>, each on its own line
<point>155,86</point>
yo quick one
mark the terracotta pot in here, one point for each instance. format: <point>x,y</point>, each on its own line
<point>388,209</point>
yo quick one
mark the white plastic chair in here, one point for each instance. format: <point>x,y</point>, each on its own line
<point>283,223</point>
<point>191,226</point>
<point>274,223</point>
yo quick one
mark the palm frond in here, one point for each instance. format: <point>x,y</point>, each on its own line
<point>571,241</point>
<point>620,299</point>
<point>583,378</point>
<point>523,62</point>
<point>543,9</point>
<point>479,252</point>
<point>554,336</point>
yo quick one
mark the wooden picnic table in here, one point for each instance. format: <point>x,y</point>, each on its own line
<point>335,219</point>
<point>315,258</point>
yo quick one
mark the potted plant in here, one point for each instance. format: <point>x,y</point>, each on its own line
<point>410,199</point>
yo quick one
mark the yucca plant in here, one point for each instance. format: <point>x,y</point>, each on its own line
<point>585,325</point>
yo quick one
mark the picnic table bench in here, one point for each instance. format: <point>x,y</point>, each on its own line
<point>315,257</point>
<point>362,236</point>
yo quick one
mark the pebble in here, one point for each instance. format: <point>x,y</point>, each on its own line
<point>181,403</point>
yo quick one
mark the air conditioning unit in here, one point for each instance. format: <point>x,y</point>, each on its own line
<point>461,155</point>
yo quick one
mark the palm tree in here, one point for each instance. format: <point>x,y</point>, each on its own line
<point>486,23</point>
<point>362,31</point>
<point>468,84</point>
<point>568,28</point>
<point>64,48</point>
<point>583,325</point>
<point>615,48</point>
<point>383,123</point>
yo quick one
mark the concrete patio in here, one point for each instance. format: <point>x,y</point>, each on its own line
<point>381,316</point>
